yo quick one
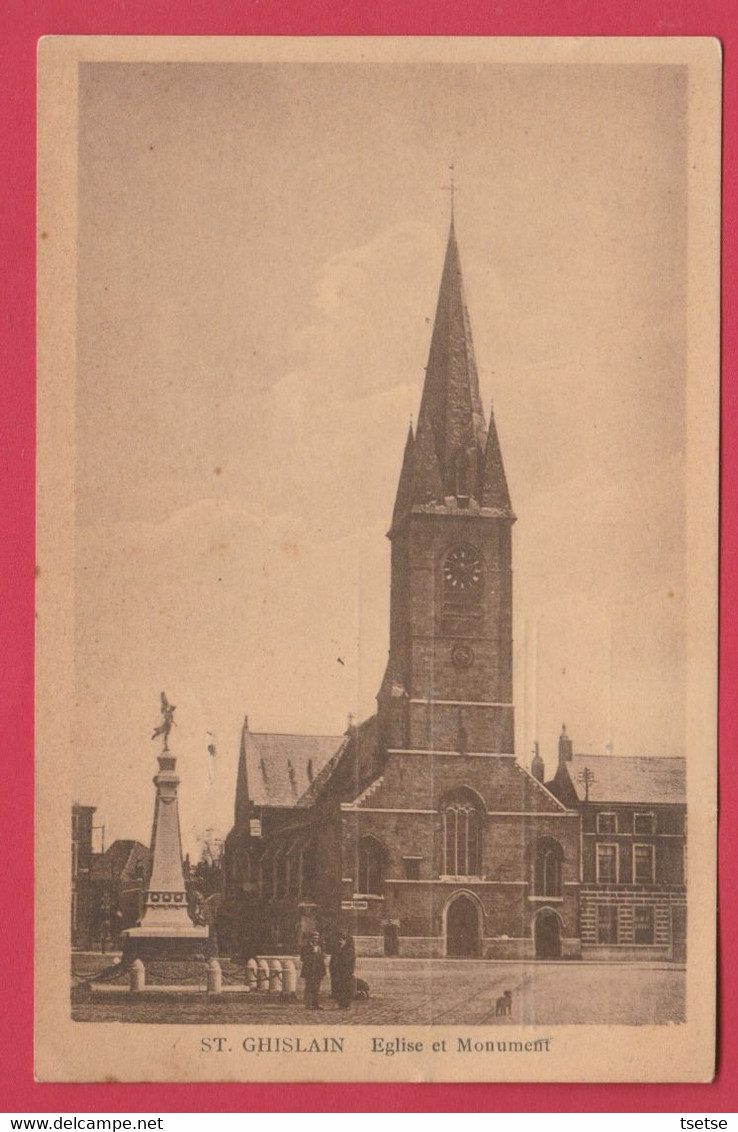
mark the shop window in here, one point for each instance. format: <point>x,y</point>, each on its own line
<point>643,925</point>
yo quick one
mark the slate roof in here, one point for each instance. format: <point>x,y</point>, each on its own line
<point>630,778</point>
<point>281,768</point>
<point>324,775</point>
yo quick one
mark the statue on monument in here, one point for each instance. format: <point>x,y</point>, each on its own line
<point>167,711</point>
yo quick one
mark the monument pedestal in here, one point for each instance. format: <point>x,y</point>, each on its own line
<point>163,947</point>
<point>171,938</point>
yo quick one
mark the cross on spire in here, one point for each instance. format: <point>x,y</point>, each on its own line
<point>450,188</point>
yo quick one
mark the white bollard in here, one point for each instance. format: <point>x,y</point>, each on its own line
<point>262,968</point>
<point>215,977</point>
<point>289,981</point>
<point>251,974</point>
<point>275,977</point>
<point>138,975</point>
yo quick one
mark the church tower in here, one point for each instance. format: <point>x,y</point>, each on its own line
<point>427,838</point>
<point>448,683</point>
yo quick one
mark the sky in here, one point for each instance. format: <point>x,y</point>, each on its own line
<point>259,253</point>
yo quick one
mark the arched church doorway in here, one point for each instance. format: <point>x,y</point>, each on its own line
<point>463,936</point>
<point>547,934</point>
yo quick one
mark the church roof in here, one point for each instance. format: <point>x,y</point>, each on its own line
<point>279,769</point>
<point>453,452</point>
<point>630,778</point>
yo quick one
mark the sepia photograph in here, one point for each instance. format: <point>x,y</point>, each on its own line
<point>377,635</point>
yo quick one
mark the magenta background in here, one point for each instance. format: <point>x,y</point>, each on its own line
<point>21,24</point>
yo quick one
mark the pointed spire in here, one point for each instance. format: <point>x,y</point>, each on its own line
<point>242,779</point>
<point>404,498</point>
<point>494,491</point>
<point>451,403</point>
<point>452,452</point>
<point>427,484</point>
<point>537,766</point>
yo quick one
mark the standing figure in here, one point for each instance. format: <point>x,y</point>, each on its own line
<point>343,962</point>
<point>312,957</point>
<point>167,712</point>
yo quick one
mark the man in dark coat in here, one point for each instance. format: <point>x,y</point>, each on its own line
<point>312,957</point>
<point>343,962</point>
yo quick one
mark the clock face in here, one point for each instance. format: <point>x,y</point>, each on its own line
<point>462,656</point>
<point>463,571</point>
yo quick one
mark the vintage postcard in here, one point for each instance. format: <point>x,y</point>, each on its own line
<point>377,559</point>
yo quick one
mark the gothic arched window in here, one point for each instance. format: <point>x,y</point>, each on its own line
<point>293,873</point>
<point>371,866</point>
<point>549,857</point>
<point>242,867</point>
<point>307,871</point>
<point>462,836</point>
<point>279,875</point>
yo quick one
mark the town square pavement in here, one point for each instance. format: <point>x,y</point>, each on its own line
<point>441,992</point>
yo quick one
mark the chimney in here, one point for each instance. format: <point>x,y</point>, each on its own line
<point>566,747</point>
<point>537,767</point>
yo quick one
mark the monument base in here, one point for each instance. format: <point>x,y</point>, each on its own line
<point>167,945</point>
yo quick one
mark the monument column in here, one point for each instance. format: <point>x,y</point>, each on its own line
<point>166,930</point>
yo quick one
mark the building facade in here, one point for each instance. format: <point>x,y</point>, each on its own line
<point>418,830</point>
<point>81,891</point>
<point>108,888</point>
<point>633,894</point>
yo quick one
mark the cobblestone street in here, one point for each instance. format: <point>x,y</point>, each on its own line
<point>444,992</point>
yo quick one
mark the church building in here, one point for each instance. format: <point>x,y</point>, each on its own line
<point>417,829</point>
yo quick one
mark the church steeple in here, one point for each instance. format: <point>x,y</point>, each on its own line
<point>448,681</point>
<point>453,454</point>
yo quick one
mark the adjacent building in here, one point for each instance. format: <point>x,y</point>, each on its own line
<point>81,908</point>
<point>108,888</point>
<point>633,893</point>
<point>118,883</point>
